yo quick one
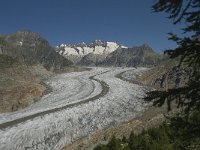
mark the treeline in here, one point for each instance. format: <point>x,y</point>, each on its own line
<point>180,133</point>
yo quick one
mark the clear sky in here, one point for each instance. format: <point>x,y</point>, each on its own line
<point>130,22</point>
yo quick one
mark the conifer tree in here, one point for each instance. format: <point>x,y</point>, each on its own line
<point>188,52</point>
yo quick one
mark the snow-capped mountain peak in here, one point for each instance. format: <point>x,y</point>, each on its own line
<point>82,49</point>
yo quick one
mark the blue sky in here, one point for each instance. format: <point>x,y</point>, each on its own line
<point>130,22</point>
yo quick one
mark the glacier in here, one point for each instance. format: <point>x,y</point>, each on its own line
<point>67,114</point>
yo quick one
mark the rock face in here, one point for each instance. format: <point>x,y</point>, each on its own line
<point>88,54</point>
<point>28,47</point>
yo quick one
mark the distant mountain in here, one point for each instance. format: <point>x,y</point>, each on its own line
<point>132,57</point>
<point>103,53</point>
<point>78,52</point>
<point>30,48</point>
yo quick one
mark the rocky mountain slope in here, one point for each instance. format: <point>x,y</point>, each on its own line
<point>133,57</point>
<point>166,75</point>
<point>25,60</point>
<point>19,84</point>
<point>30,48</point>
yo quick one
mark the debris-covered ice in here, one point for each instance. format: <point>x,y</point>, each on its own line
<point>55,129</point>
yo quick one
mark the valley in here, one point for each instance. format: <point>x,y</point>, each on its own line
<point>58,97</point>
<point>80,103</point>
<point>100,75</point>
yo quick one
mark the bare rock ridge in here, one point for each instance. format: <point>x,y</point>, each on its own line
<point>103,53</point>
<point>30,48</point>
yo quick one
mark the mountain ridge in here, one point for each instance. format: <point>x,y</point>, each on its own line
<point>75,52</point>
<point>104,53</point>
<point>30,48</point>
<point>138,56</point>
